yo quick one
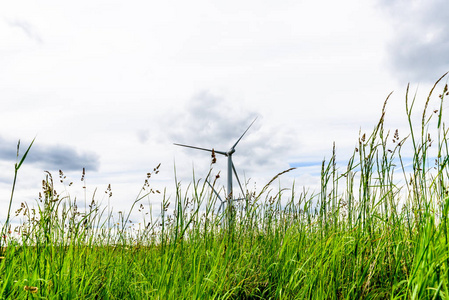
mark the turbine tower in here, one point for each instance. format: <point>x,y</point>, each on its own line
<point>231,168</point>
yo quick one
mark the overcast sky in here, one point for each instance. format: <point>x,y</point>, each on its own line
<point>111,85</point>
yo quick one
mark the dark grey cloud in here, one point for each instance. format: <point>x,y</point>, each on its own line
<point>210,121</point>
<point>419,49</point>
<point>208,118</point>
<point>50,157</point>
<point>28,29</point>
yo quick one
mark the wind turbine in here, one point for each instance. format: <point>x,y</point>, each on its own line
<point>231,168</point>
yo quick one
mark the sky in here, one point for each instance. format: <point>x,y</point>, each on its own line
<point>109,86</point>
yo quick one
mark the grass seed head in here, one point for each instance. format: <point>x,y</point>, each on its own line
<point>31,289</point>
<point>214,159</point>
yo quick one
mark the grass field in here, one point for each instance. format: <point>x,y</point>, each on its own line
<point>363,235</point>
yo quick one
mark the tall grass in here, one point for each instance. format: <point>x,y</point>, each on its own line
<point>363,235</point>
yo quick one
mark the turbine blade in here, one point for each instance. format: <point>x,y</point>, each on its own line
<point>198,148</point>
<point>243,134</point>
<point>218,196</point>
<point>215,192</point>
<point>238,180</point>
<point>219,208</point>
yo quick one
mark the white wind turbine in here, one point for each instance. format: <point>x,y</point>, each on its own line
<point>231,168</point>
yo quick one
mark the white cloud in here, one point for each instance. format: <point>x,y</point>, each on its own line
<point>127,80</point>
<point>418,50</point>
<point>28,29</point>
